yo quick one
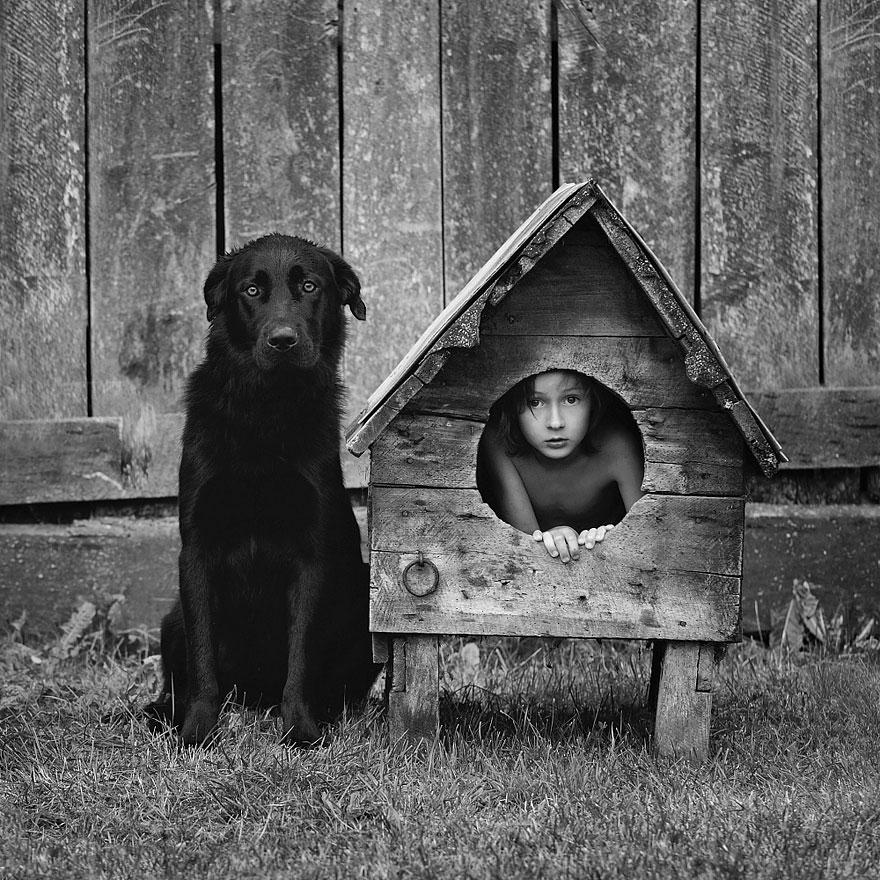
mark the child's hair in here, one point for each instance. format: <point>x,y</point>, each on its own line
<point>505,411</point>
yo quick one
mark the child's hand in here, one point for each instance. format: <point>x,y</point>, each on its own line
<point>561,541</point>
<point>588,537</point>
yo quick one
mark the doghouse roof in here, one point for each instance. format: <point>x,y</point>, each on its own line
<point>457,326</point>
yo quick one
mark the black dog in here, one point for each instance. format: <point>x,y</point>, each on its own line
<point>273,592</point>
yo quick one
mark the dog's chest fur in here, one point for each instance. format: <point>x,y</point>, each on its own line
<point>261,479</point>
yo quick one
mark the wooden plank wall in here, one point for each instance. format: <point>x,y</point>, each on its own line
<point>416,141</point>
<point>850,141</point>
<point>138,139</point>
<point>758,163</point>
<point>43,333</point>
<point>627,115</point>
<point>151,211</point>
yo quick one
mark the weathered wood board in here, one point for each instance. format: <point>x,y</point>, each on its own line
<point>702,606</point>
<point>281,148</point>
<point>824,427</point>
<point>670,569</point>
<point>782,543</point>
<point>45,461</point>
<point>759,247</point>
<point>70,460</point>
<point>641,370</point>
<point>850,134</point>
<point>627,106</point>
<point>413,700</point>
<point>836,547</point>
<point>151,137</point>
<point>660,532</point>
<point>495,61</point>
<point>42,219</point>
<point>691,452</point>
<point>580,288</point>
<point>46,571</point>
<point>684,702</point>
<point>392,205</point>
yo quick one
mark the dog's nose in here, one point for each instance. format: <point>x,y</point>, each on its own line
<point>282,338</point>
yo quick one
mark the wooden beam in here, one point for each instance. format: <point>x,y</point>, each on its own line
<point>48,461</point>
<point>824,427</point>
<point>834,547</point>
<point>47,570</point>
<point>662,572</point>
<point>45,461</point>
<point>552,599</point>
<point>71,459</point>
<point>121,562</point>
<point>687,451</point>
<point>640,369</point>
<point>414,696</point>
<point>683,704</point>
<point>44,568</point>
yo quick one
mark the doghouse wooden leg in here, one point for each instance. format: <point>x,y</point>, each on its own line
<point>658,649</point>
<point>380,647</point>
<point>684,699</point>
<point>414,697</point>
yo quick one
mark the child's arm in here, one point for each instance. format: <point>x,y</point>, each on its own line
<point>512,501</point>
<point>628,472</point>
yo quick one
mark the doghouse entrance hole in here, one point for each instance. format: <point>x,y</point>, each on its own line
<point>517,456</point>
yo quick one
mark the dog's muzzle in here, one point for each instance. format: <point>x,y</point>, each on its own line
<point>282,339</point>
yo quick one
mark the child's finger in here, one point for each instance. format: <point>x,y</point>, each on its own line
<point>562,548</point>
<point>590,539</point>
<point>550,544</point>
<point>538,535</point>
<point>572,544</point>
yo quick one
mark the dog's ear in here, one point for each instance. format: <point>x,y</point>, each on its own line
<point>215,285</point>
<point>348,283</point>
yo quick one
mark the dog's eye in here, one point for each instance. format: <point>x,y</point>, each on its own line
<point>252,290</point>
<point>309,286</point>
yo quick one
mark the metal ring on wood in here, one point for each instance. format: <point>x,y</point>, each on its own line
<point>421,589</point>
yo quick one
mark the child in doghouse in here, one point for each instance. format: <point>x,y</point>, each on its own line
<point>560,459</point>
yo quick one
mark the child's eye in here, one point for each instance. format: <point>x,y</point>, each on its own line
<point>533,402</point>
<point>572,399</point>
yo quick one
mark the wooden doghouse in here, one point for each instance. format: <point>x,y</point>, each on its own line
<point>576,288</point>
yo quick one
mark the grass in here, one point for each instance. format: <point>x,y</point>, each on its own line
<point>542,770</point>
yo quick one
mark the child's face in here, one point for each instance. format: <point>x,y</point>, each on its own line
<point>557,414</point>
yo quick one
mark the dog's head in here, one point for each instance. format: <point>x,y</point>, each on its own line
<point>281,298</point>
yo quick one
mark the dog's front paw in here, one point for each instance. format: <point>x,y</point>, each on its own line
<point>200,723</point>
<point>300,728</point>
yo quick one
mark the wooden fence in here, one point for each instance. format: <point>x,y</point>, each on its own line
<point>139,137</point>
